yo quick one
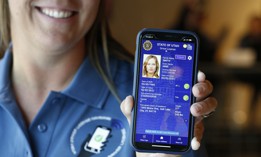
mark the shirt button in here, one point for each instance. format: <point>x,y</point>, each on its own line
<point>56,101</point>
<point>42,127</point>
<point>27,154</point>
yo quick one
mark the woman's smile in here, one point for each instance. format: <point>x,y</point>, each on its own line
<point>56,13</point>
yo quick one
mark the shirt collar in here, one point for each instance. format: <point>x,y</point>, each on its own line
<point>88,86</point>
<point>7,98</point>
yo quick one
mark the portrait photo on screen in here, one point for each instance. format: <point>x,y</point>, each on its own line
<point>151,66</point>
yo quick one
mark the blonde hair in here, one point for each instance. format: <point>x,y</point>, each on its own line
<point>145,72</point>
<point>4,26</point>
<point>99,44</point>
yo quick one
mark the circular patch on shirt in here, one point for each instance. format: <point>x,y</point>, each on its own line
<point>99,135</point>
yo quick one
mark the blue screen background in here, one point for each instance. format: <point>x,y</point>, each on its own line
<point>164,103</point>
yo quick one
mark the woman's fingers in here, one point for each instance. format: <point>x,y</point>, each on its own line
<point>204,107</point>
<point>126,107</point>
<point>202,89</point>
<point>198,134</point>
<point>201,76</point>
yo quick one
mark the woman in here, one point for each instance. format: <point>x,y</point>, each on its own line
<point>151,67</point>
<point>55,93</point>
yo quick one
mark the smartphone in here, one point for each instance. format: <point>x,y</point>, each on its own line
<point>165,71</point>
<point>96,143</point>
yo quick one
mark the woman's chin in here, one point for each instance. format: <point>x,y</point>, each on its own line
<point>56,44</point>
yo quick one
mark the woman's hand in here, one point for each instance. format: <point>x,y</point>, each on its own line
<point>204,106</point>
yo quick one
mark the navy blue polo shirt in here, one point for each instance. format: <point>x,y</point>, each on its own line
<point>82,120</point>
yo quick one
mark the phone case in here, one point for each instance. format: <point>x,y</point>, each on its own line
<point>136,73</point>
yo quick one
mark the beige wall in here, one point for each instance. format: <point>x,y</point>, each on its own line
<point>128,17</point>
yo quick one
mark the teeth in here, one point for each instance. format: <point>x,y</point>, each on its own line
<point>56,13</point>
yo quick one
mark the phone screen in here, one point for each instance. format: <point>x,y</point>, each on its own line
<point>165,75</point>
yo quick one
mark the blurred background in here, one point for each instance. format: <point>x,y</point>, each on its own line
<point>230,55</point>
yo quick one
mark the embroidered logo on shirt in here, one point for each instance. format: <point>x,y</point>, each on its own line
<point>106,139</point>
<point>95,142</point>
